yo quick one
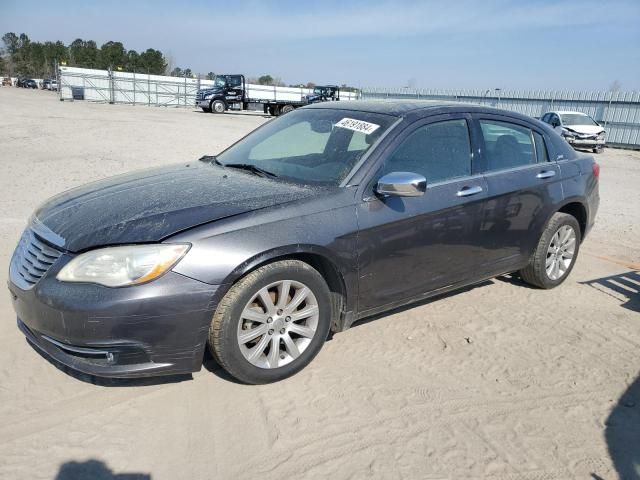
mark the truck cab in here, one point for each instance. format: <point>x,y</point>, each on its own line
<point>226,90</point>
<point>325,93</point>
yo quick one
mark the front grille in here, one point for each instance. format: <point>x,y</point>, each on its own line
<point>31,260</point>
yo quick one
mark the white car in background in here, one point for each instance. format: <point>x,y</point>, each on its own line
<point>577,128</point>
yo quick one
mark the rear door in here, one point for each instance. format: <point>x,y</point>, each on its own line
<point>523,185</point>
<point>412,245</point>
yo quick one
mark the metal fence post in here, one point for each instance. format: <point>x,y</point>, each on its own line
<point>111,86</point>
<point>606,117</point>
<point>58,80</point>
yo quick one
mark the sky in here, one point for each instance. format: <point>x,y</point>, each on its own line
<point>454,44</point>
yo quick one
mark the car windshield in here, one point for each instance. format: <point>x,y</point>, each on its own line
<point>219,81</point>
<point>310,146</point>
<point>577,119</point>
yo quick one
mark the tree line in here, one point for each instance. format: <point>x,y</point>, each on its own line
<point>21,56</point>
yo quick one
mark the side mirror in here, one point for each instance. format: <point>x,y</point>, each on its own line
<point>401,184</point>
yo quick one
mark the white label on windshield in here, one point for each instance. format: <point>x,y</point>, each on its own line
<point>357,125</point>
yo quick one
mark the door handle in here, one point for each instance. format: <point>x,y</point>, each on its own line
<point>546,174</point>
<point>468,191</point>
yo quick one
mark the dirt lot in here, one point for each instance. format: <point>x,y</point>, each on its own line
<point>500,381</point>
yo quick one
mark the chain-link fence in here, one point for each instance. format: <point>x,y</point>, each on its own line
<point>142,89</point>
<point>617,112</point>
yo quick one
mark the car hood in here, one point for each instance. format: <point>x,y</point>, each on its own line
<point>150,205</point>
<point>588,129</point>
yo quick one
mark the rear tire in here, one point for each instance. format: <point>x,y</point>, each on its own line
<point>259,334</point>
<point>286,109</point>
<point>556,253</point>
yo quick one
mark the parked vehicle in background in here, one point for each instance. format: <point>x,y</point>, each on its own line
<point>232,90</point>
<point>326,93</point>
<point>329,214</point>
<point>49,84</point>
<point>24,82</point>
<point>577,128</point>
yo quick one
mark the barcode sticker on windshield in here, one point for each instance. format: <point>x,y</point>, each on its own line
<point>357,125</point>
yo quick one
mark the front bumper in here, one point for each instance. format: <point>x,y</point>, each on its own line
<point>159,328</point>
<point>585,142</point>
<point>203,103</point>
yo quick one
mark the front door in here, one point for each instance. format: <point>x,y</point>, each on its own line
<point>412,245</point>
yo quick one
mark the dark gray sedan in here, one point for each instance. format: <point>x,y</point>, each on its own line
<point>326,215</point>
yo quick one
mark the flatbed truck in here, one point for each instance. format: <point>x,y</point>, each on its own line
<point>232,92</point>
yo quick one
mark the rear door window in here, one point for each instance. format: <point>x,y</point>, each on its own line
<point>507,145</point>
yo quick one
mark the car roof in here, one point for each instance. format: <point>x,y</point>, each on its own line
<point>390,107</point>
<point>561,112</point>
<point>414,108</point>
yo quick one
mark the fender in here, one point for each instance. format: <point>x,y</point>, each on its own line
<point>574,199</point>
<point>345,273</point>
<point>346,276</point>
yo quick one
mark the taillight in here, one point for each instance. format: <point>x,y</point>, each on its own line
<point>596,170</point>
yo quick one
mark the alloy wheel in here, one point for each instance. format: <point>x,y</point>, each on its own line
<point>561,252</point>
<point>277,325</point>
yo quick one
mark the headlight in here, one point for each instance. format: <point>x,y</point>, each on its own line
<point>120,266</point>
<point>208,96</point>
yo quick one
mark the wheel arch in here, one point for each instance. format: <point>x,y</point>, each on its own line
<point>319,258</point>
<point>578,209</point>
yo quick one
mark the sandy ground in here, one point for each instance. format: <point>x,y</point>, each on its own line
<point>500,381</point>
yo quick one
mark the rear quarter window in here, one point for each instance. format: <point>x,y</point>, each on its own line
<point>542,154</point>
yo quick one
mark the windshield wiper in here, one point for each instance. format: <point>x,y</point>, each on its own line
<point>210,159</point>
<point>241,166</point>
<point>250,168</point>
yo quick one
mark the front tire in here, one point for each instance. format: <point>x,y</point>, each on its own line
<point>555,254</point>
<point>218,106</point>
<point>272,322</point>
<point>206,110</point>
